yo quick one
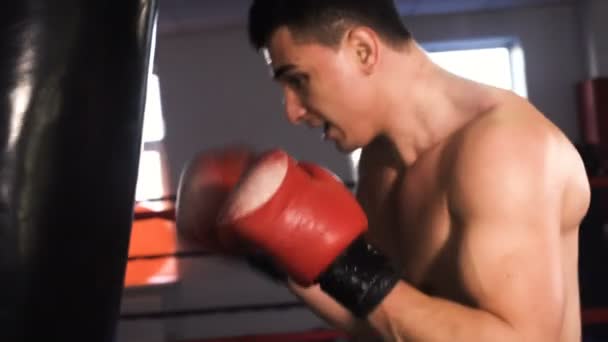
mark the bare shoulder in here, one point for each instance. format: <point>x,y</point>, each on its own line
<point>514,136</point>
<point>514,149</point>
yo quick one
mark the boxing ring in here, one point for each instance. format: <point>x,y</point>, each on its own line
<point>594,319</point>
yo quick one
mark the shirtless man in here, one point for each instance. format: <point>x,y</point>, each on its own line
<point>471,194</point>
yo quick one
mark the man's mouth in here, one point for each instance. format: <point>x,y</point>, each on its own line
<point>326,127</point>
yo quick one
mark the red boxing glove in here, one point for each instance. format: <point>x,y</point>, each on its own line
<point>302,216</point>
<point>204,186</point>
<point>311,225</point>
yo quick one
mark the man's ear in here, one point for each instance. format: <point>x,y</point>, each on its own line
<point>363,44</point>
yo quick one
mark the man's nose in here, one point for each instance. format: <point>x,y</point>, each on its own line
<point>294,108</point>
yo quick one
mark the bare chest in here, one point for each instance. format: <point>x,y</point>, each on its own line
<point>418,234</point>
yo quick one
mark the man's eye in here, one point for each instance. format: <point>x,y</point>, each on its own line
<point>295,82</point>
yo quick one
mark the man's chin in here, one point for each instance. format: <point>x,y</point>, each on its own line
<point>345,148</point>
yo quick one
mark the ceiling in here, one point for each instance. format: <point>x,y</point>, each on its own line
<point>178,15</point>
<point>420,7</point>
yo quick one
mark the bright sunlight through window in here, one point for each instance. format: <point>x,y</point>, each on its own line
<point>154,125</point>
<point>150,181</point>
<point>488,66</point>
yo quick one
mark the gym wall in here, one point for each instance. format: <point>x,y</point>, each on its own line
<point>595,27</point>
<point>216,89</point>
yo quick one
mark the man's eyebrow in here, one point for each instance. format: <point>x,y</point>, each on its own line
<point>282,70</point>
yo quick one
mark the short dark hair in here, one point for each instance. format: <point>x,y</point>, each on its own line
<point>325,21</point>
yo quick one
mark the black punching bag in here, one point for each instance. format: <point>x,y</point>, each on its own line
<point>73,76</point>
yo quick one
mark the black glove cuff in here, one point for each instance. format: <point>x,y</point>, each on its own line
<point>359,279</point>
<point>264,264</point>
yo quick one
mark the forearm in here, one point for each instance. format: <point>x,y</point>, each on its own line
<point>407,314</point>
<point>332,312</point>
<point>360,293</point>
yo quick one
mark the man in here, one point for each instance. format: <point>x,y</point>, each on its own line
<point>470,193</point>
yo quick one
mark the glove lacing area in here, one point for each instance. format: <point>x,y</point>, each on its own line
<point>359,279</point>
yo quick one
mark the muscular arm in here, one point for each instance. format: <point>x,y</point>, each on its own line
<point>505,202</point>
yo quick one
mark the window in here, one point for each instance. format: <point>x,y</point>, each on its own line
<point>499,63</point>
<point>152,177</point>
<point>152,236</point>
<point>501,67</point>
<point>489,66</point>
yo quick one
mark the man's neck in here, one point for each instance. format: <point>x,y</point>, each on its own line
<point>437,105</point>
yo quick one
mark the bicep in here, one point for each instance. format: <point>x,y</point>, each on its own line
<point>513,270</point>
<point>508,208</point>
<point>510,254</point>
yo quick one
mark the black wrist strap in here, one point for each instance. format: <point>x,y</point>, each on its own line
<point>359,279</point>
<point>264,265</point>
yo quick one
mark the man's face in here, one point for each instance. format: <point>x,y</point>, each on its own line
<point>323,87</point>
